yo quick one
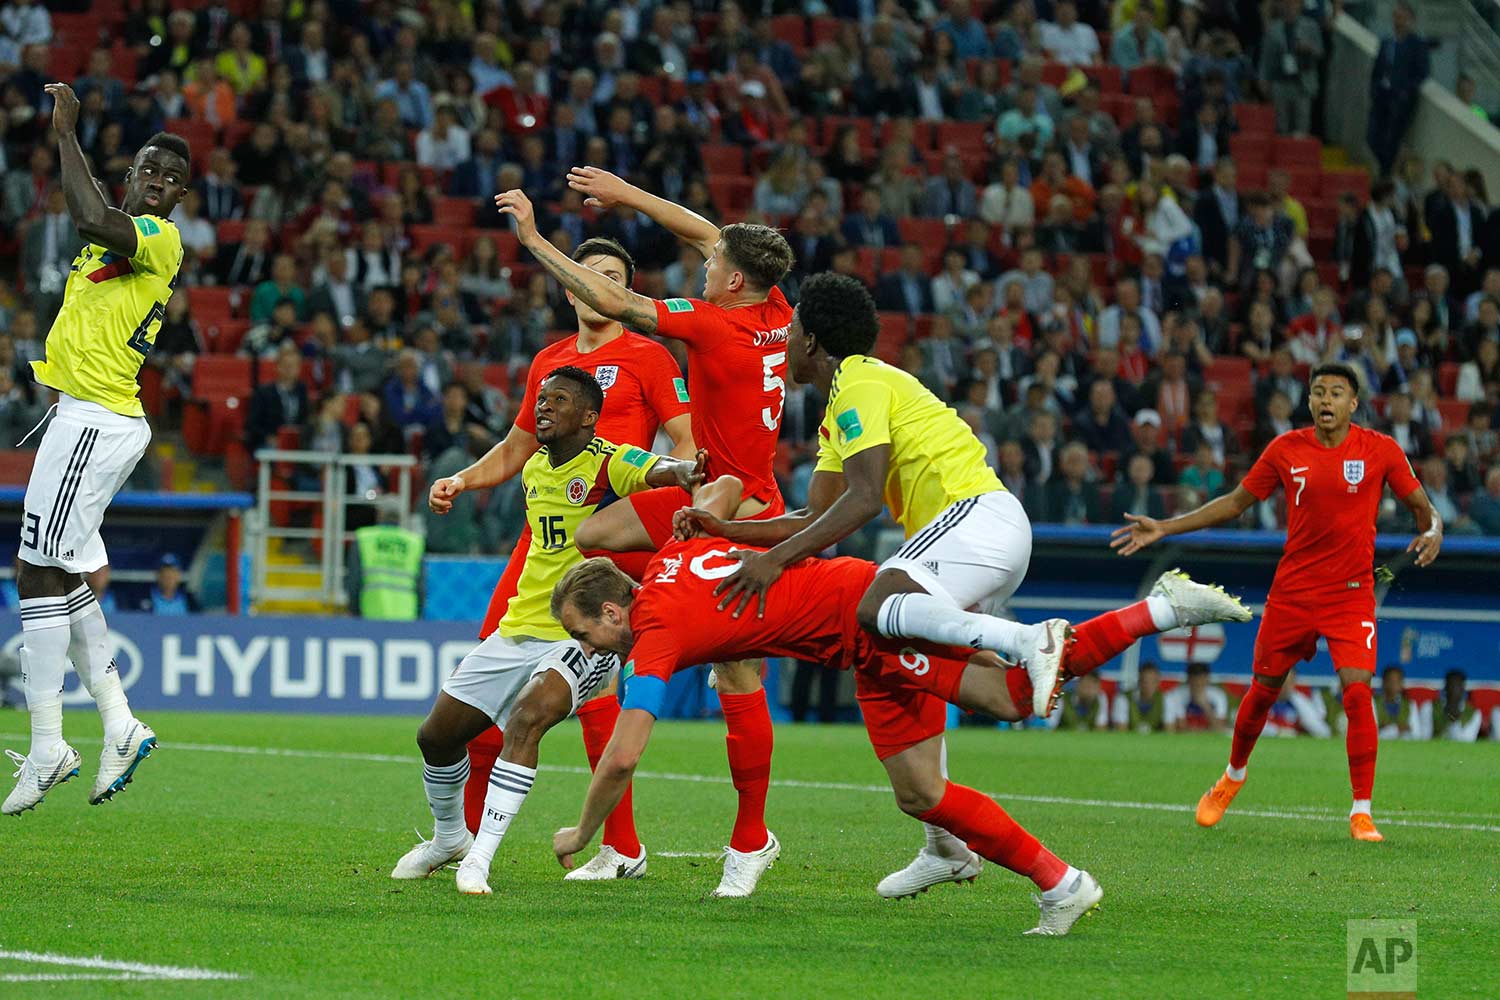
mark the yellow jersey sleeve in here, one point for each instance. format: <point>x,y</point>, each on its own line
<point>861,418</point>
<point>158,245</point>
<point>628,468</point>
<point>828,459</point>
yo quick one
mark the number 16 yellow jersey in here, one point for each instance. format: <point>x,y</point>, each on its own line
<point>557,501</point>
<point>112,307</point>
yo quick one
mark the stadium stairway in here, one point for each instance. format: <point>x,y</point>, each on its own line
<point>286,567</point>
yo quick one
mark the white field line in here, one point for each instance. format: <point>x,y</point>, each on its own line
<point>123,970</point>
<point>689,854</point>
<point>1302,813</point>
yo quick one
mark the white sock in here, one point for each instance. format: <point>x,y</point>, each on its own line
<point>44,660</point>
<point>1163,615</point>
<point>1360,806</point>
<point>939,841</point>
<point>445,795</point>
<point>1235,773</point>
<point>924,616</point>
<point>509,786</point>
<point>1063,887</point>
<point>89,649</point>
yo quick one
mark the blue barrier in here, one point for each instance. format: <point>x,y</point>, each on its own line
<point>155,500</point>
<point>1249,541</point>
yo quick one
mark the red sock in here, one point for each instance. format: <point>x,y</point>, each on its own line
<point>749,743</point>
<point>1019,683</point>
<point>598,717</point>
<point>633,564</point>
<point>483,752</point>
<point>978,821</point>
<point>1250,720</point>
<point>1362,738</point>
<point>1102,638</point>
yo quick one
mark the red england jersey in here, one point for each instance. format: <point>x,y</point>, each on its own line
<point>1332,499</point>
<point>737,370</point>
<point>643,387</point>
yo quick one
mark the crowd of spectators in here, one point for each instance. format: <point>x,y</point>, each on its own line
<point>1075,262</point>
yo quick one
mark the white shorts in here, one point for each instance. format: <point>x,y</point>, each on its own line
<point>976,550</point>
<point>85,456</point>
<point>491,677</point>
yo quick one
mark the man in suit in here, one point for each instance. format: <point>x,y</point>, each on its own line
<point>476,176</point>
<point>1401,65</point>
<point>247,262</point>
<point>1205,139</point>
<point>278,404</point>
<point>1082,152</point>
<point>871,226</point>
<point>950,193</point>
<point>221,195</point>
<point>47,253</point>
<point>1458,236</point>
<point>1217,212</point>
<point>907,289</point>
<point>1281,378</point>
<point>1290,51</point>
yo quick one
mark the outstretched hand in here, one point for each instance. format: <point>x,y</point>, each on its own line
<point>64,107</point>
<point>600,188</point>
<point>515,204</point>
<point>1130,538</point>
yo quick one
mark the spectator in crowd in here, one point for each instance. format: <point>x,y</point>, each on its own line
<point>277,404</point>
<point>1027,119</point>
<point>169,595</point>
<point>1217,213</point>
<point>47,251</point>
<point>1068,40</point>
<point>1069,497</point>
<point>1201,481</point>
<point>1007,202</point>
<point>1290,52</point>
<point>281,285</point>
<point>1083,707</point>
<point>266,339</point>
<point>1137,494</point>
<point>1453,715</point>
<point>1413,438</point>
<point>1260,242</point>
<point>1102,426</point>
<point>951,193</point>
<point>1458,234</point>
<point>1142,710</point>
<point>1128,301</point>
<point>1401,65</point>
<point>1145,434</point>
<point>906,289</point>
<point>1140,44</point>
<point>412,405</point>
<point>1294,713</point>
<point>1397,716</point>
<point>1198,704</point>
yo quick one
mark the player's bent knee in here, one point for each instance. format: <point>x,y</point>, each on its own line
<point>918,799</point>
<point>436,745</point>
<point>529,722</point>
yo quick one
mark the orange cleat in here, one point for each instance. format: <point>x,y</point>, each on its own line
<point>1362,827</point>
<point>1211,807</point>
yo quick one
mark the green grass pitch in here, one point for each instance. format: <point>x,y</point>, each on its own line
<point>229,856</point>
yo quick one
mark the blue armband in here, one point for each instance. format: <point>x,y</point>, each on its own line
<point>646,693</point>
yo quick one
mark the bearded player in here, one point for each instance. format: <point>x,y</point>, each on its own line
<point>644,390</point>
<point>1334,474</point>
<point>528,674</point>
<point>668,624</point>
<point>736,344</point>
<point>112,308</point>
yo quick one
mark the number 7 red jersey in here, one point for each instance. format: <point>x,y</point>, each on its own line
<point>1332,500</point>
<point>737,380</point>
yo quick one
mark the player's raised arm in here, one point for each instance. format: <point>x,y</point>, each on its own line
<point>604,296</point>
<point>1142,531</point>
<point>602,189</point>
<point>669,471</point>
<point>97,222</point>
<point>498,465</point>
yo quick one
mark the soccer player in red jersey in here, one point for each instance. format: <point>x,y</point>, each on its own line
<point>644,390</point>
<point>737,355</point>
<point>1334,474</point>
<point>668,625</point>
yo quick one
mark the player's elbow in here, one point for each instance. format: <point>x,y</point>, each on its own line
<point>591,536</point>
<point>619,763</point>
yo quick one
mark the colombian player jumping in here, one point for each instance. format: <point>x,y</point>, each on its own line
<point>736,343</point>
<point>1334,474</point>
<point>643,391</point>
<point>528,675</point>
<point>668,625</point>
<point>112,308</point>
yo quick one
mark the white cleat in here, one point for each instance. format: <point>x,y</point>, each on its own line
<point>743,871</point>
<point>926,871</point>
<point>609,864</point>
<point>427,857</point>
<point>1058,918</point>
<point>1042,656</point>
<point>1198,603</point>
<point>35,782</point>
<point>120,758</point>
<point>473,879</point>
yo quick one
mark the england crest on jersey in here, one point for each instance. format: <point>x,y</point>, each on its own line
<point>1354,471</point>
<point>606,375</point>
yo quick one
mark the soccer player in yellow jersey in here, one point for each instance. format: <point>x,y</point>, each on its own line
<point>529,675</point>
<point>113,304</point>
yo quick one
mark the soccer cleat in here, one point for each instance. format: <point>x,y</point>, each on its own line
<point>427,857</point>
<point>1362,827</point>
<point>925,871</point>
<point>472,879</point>
<point>35,782</point>
<point>1042,656</point>
<point>743,871</point>
<point>609,864</point>
<point>120,758</point>
<point>1214,801</point>
<point>1058,918</point>
<point>1198,603</point>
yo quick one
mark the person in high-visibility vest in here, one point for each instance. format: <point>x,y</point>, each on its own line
<point>390,572</point>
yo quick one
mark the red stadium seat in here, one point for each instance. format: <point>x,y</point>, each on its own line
<point>1297,151</point>
<point>217,377</point>
<point>1252,177</point>
<point>200,137</point>
<point>1455,414</point>
<point>454,212</point>
<point>825,29</point>
<point>1227,371</point>
<point>928,233</point>
<point>969,137</point>
<point>792,29</point>
<point>1322,217</point>
<point>15,465</point>
<point>1247,149</point>
<point>1305,181</point>
<point>723,158</point>
<point>1109,78</point>
<point>1153,81</point>
<point>457,237</point>
<point>865,128</point>
<point>210,303</point>
<point>1447,378</point>
<point>1256,119</point>
<point>225,335</point>
<point>731,193</point>
<point>1337,182</point>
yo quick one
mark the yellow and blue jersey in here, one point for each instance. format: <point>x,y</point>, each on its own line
<point>112,309</point>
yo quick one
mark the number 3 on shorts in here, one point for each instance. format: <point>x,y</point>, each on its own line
<point>1369,639</point>
<point>773,383</point>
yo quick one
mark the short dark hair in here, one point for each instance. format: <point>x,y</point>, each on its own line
<point>759,252</point>
<point>839,314</point>
<point>584,380</point>
<point>172,143</point>
<point>604,246</point>
<point>1197,668</point>
<point>1338,370</point>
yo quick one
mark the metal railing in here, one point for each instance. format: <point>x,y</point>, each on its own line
<point>325,572</point>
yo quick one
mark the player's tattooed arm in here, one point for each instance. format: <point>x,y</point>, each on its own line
<point>96,220</point>
<point>603,190</point>
<point>1429,540</point>
<point>606,297</point>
